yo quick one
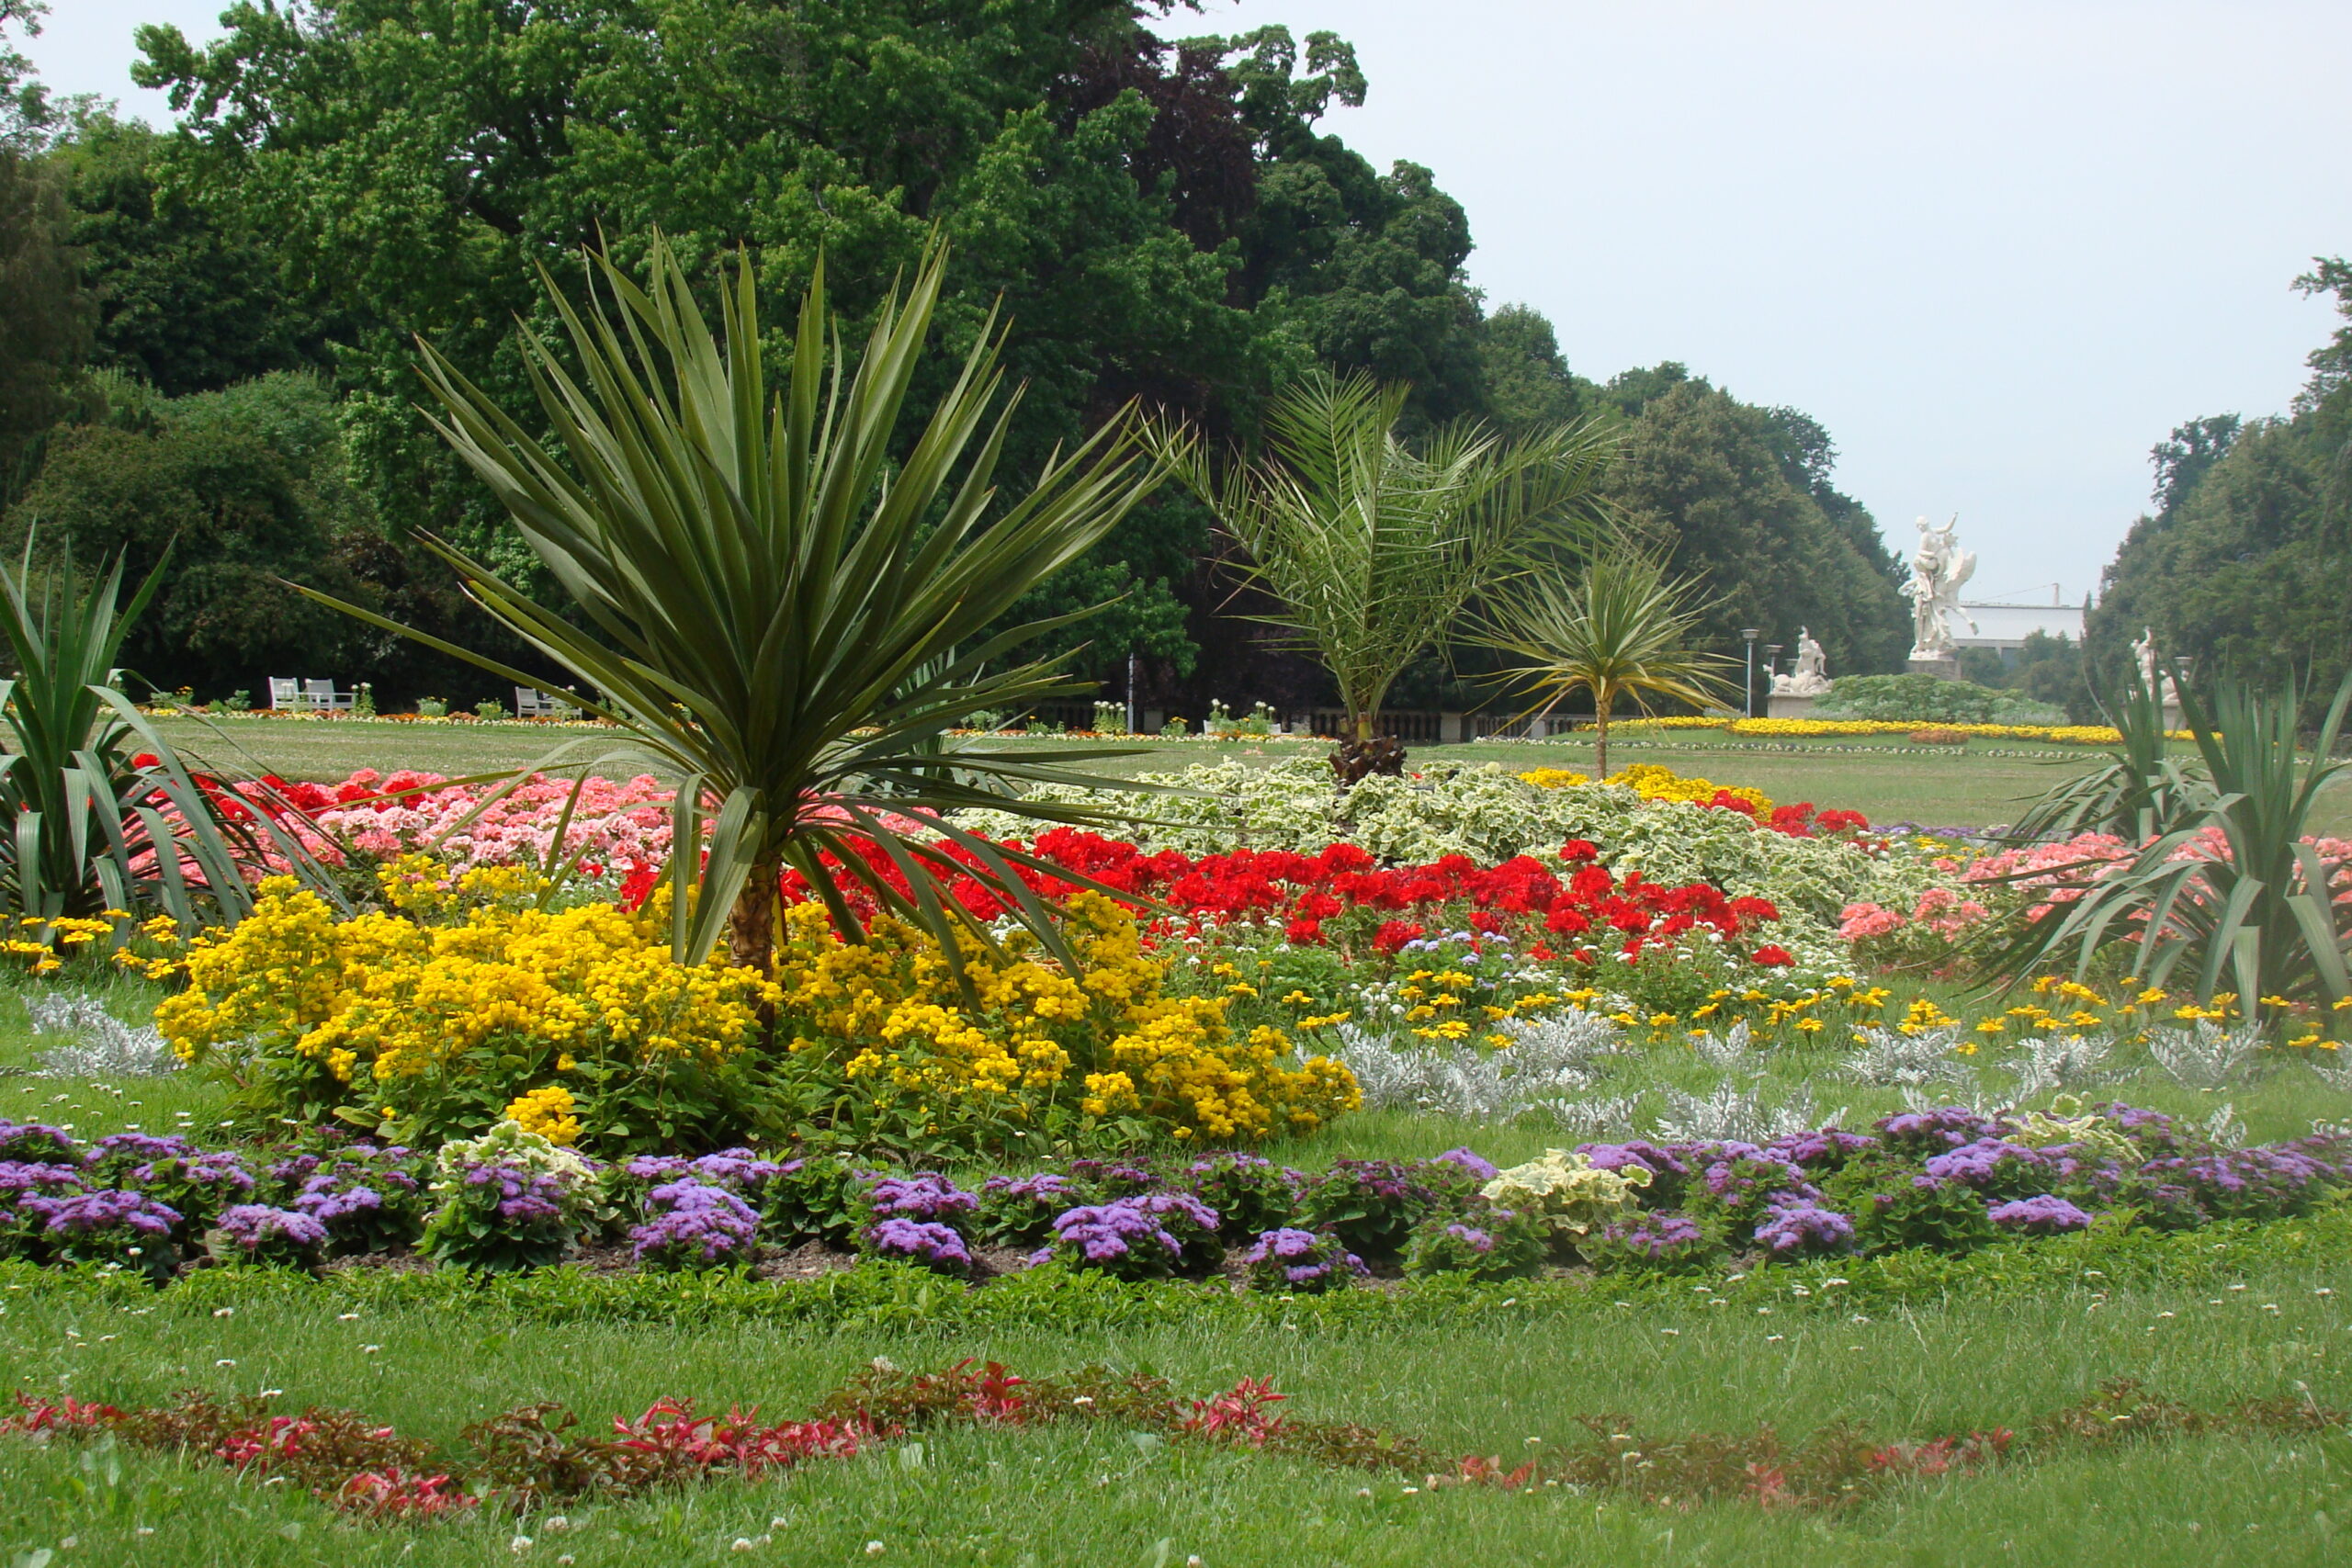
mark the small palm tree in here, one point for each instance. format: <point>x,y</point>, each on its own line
<point>1372,548</point>
<point>783,596</point>
<point>1619,628</point>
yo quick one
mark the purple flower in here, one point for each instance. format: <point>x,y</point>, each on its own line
<point>693,1224</point>
<point>925,1195</point>
<point>1829,1147</point>
<point>738,1171</point>
<point>521,1197</point>
<point>918,1241</point>
<point>255,1226</point>
<point>1932,1131</point>
<point>35,1142</point>
<point>124,1150</point>
<point>20,1176</point>
<point>1301,1260</point>
<point>1482,1169</point>
<point>1647,1242</point>
<point>1805,1229</point>
<point>110,1216</point>
<point>1995,1165</point>
<point>2042,1215</point>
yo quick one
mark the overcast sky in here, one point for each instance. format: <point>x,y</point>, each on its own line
<point>2000,250</point>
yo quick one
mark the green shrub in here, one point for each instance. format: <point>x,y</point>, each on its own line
<point>1904,699</point>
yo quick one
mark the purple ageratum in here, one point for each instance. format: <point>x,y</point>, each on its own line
<point>1135,1237</point>
<point>1479,1169</point>
<point>1933,1132</point>
<point>1301,1260</point>
<point>1995,1165</point>
<point>93,1225</point>
<point>1109,1179</point>
<point>521,1197</point>
<point>1660,1237</point>
<point>918,1241</point>
<point>19,1177</point>
<point>123,1151</point>
<point>693,1224</point>
<point>36,1142</point>
<point>1018,1211</point>
<point>1825,1149</point>
<point>738,1171</point>
<point>2044,1216</point>
<point>255,1229</point>
<point>1805,1230</point>
<point>925,1195</point>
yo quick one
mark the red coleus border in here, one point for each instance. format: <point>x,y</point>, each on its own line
<point>529,1460</point>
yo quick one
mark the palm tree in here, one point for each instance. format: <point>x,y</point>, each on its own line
<point>786,599</point>
<point>1372,548</point>
<point>1619,628</point>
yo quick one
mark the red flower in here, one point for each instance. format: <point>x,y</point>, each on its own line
<point>1773,956</point>
<point>1303,934</point>
<point>1394,934</point>
<point>1579,849</point>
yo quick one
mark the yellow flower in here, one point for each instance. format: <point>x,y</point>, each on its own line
<point>547,1111</point>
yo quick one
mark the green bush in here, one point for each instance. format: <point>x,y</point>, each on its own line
<point>1927,699</point>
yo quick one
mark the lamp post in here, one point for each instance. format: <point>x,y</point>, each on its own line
<point>1131,692</point>
<point>1747,691</point>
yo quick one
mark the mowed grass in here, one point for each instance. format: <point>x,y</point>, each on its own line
<point>1094,1496</point>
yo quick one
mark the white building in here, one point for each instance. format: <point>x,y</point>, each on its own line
<point>2004,625</point>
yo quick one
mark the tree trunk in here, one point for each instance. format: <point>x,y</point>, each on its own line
<point>750,925</point>
<point>1366,752</point>
<point>1602,702</point>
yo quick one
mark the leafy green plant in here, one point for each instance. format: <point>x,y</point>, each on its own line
<point>98,811</point>
<point>1931,698</point>
<point>1372,548</point>
<point>1619,629</point>
<point>2248,909</point>
<point>2141,791</point>
<point>775,594</point>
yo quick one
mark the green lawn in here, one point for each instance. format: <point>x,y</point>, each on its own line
<point>1095,1496</point>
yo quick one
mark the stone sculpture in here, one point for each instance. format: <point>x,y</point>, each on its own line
<point>1811,677</point>
<point>1938,568</point>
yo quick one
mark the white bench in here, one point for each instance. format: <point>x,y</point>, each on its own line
<point>306,696</point>
<point>530,702</point>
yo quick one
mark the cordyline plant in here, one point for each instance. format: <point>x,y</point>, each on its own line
<point>786,602</point>
<point>2141,791</point>
<point>1619,628</point>
<point>1372,548</point>
<point>2253,914</point>
<point>97,812</point>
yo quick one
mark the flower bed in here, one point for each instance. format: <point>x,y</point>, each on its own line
<point>1947,1180</point>
<point>1823,728</point>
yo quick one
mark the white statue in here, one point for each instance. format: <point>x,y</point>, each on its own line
<point>1938,568</point>
<point>1811,677</point>
<point>2143,654</point>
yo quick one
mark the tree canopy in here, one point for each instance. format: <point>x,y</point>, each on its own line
<point>1159,219</point>
<point>2246,559</point>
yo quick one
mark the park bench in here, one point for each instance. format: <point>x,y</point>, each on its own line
<point>532,703</point>
<point>306,696</point>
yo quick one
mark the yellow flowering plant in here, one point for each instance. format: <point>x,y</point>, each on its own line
<point>458,1004</point>
<point>886,1051</point>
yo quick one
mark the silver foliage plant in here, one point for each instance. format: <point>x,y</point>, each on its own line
<point>1892,1059</point>
<point>96,1045</point>
<point>2044,1067</point>
<point>1729,1114</point>
<point>1548,1057</point>
<point>2205,1056</point>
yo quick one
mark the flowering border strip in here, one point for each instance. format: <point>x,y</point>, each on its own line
<point>529,1457</point>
